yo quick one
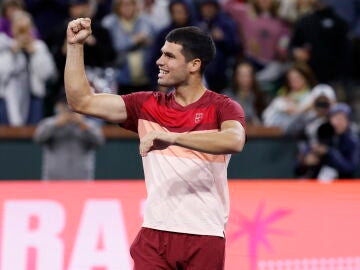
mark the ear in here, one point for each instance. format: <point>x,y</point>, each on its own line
<point>195,65</point>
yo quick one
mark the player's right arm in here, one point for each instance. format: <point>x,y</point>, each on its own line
<point>79,94</point>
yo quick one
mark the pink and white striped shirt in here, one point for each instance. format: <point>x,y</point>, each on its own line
<point>187,189</point>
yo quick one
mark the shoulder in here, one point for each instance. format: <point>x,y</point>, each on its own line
<point>221,99</point>
<point>108,20</point>
<point>141,97</point>
<point>352,136</point>
<point>225,105</point>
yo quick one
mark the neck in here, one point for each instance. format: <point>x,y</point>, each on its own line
<point>190,93</point>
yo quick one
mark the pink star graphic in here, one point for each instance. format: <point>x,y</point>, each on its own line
<point>258,229</point>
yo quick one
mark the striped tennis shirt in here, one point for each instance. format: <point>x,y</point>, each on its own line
<point>187,190</point>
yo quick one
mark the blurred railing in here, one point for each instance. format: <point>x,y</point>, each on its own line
<point>116,132</point>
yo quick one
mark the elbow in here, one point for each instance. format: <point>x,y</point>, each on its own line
<point>237,145</point>
<point>77,105</point>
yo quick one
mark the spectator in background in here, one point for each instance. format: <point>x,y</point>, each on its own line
<point>246,91</point>
<point>131,35</point>
<point>180,14</point>
<point>314,114</point>
<point>320,39</point>
<point>69,141</point>
<point>47,14</point>
<point>292,99</point>
<point>224,33</point>
<point>350,12</point>
<point>337,153</point>
<point>156,12</point>
<point>293,10</point>
<point>8,9</point>
<point>103,8</point>
<point>99,52</point>
<point>264,34</point>
<point>25,67</point>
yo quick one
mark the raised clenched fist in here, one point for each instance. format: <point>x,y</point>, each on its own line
<point>78,30</point>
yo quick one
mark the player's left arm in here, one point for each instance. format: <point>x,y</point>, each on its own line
<point>229,139</point>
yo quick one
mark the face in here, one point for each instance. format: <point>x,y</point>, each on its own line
<point>264,5</point>
<point>80,11</point>
<point>208,11</point>
<point>179,14</point>
<point>21,25</point>
<point>127,9</point>
<point>340,122</point>
<point>322,105</point>
<point>296,80</point>
<point>173,68</point>
<point>244,76</point>
<point>305,3</point>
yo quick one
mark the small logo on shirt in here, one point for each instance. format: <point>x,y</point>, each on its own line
<point>198,117</point>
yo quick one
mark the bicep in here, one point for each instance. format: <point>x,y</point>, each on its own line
<point>108,107</point>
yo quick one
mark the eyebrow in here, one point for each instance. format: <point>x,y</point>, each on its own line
<point>169,54</point>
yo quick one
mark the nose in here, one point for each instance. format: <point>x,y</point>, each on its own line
<point>159,62</point>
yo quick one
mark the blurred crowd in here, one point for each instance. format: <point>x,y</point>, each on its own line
<point>290,63</point>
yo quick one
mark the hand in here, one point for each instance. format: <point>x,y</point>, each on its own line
<point>24,42</point>
<point>78,31</point>
<point>140,38</point>
<point>311,159</point>
<point>217,34</point>
<point>156,140</point>
<point>62,119</point>
<point>91,40</point>
<point>76,118</point>
<point>320,149</point>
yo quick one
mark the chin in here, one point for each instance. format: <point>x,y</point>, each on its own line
<point>165,84</point>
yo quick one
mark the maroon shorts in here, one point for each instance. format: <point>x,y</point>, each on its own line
<point>162,250</point>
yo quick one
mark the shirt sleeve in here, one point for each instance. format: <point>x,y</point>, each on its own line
<point>133,104</point>
<point>231,110</point>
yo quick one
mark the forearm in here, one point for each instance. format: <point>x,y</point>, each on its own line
<point>337,160</point>
<point>77,87</point>
<point>221,142</point>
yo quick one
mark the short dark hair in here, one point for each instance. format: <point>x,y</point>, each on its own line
<point>195,42</point>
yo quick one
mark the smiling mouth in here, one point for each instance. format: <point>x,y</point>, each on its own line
<point>162,73</point>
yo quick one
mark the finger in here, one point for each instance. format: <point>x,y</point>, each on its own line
<point>74,26</point>
<point>85,22</point>
<point>141,149</point>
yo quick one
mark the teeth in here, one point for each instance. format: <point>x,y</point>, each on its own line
<point>163,72</point>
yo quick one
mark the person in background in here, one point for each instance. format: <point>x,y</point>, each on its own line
<point>156,12</point>
<point>47,14</point>
<point>99,52</point>
<point>69,141</point>
<point>223,31</point>
<point>26,65</point>
<point>320,40</point>
<point>304,127</point>
<point>131,34</point>
<point>8,8</point>
<point>293,10</point>
<point>292,98</point>
<point>246,91</point>
<point>336,155</point>
<point>264,34</point>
